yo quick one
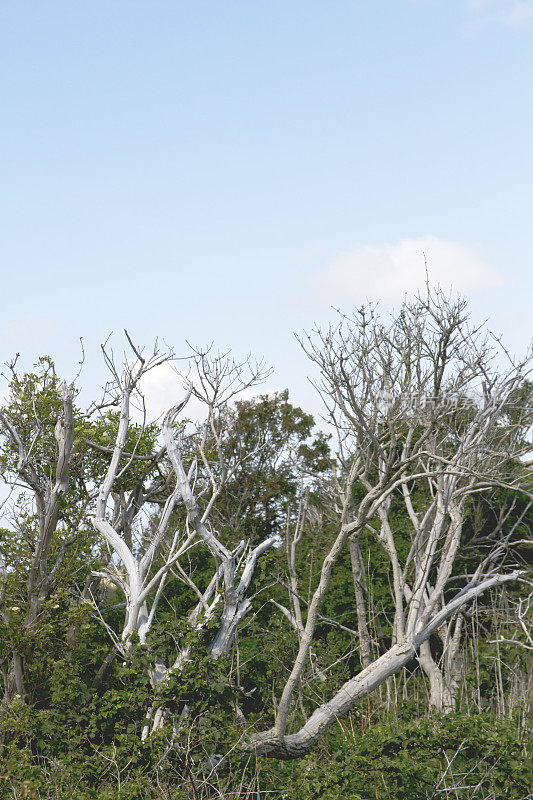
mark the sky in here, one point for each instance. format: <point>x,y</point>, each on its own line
<point>229,171</point>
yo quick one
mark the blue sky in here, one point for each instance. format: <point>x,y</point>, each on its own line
<point>229,170</point>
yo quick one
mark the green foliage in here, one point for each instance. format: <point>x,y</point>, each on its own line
<point>264,441</point>
<point>77,732</point>
<point>459,756</point>
<point>95,441</point>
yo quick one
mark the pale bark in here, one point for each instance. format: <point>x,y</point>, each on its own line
<point>394,394</point>
<point>358,572</point>
<point>296,745</point>
<point>233,566</point>
<point>434,675</point>
<point>47,495</point>
<point>444,676</point>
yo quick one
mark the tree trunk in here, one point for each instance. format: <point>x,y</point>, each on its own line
<point>360,605</point>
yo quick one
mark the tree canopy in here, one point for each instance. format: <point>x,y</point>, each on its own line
<point>184,608</point>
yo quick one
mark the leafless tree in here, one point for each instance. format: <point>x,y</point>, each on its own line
<point>217,381</point>
<point>425,415</point>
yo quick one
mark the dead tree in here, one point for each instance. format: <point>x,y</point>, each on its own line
<point>218,379</point>
<point>421,410</point>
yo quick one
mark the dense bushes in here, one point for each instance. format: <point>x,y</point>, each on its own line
<point>466,757</point>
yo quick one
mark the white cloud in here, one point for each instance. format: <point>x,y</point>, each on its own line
<point>513,13</point>
<point>164,386</point>
<point>390,271</point>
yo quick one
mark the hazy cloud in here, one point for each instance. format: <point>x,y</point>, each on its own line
<point>511,13</point>
<point>389,271</point>
<point>507,12</point>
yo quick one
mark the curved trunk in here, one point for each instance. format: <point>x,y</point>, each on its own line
<point>295,745</point>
